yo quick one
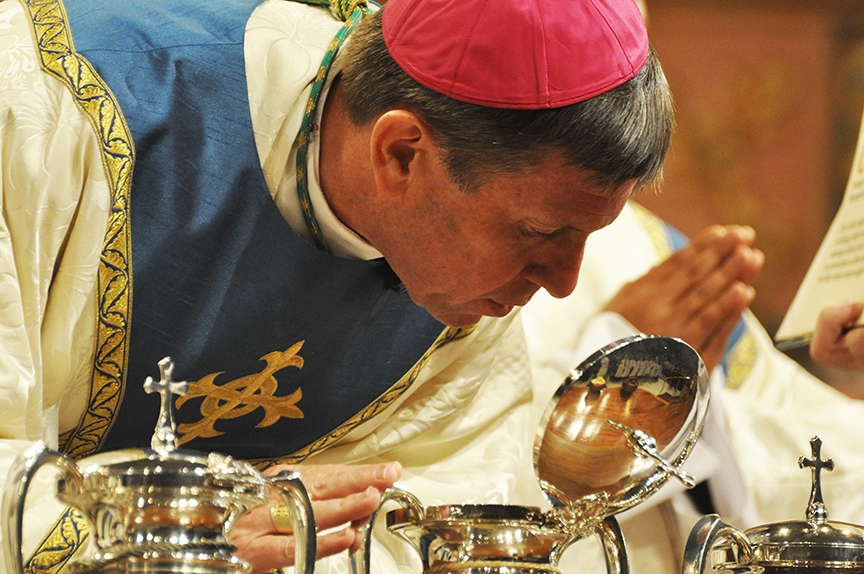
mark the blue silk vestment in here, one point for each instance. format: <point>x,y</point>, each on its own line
<point>284,346</point>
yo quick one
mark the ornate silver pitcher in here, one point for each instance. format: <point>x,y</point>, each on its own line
<point>814,545</point>
<point>620,425</point>
<point>159,511</point>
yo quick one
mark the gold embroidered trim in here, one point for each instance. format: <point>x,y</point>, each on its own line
<point>656,229</point>
<point>450,335</point>
<point>61,544</point>
<point>114,283</point>
<point>741,359</point>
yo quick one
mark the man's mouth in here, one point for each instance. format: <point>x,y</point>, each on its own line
<point>498,309</point>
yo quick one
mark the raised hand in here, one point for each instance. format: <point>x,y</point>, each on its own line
<point>343,497</point>
<point>698,293</point>
<point>835,342</point>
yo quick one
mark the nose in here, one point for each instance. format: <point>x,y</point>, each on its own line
<point>557,273</point>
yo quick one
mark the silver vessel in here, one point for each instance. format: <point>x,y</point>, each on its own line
<point>814,545</point>
<point>619,426</point>
<point>158,510</point>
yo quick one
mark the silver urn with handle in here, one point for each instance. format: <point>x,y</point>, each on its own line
<point>617,429</point>
<point>157,511</point>
<point>814,545</point>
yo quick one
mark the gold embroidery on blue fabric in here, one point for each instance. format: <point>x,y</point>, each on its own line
<point>114,287</point>
<point>741,359</point>
<point>243,396</point>
<point>449,335</point>
<point>60,545</point>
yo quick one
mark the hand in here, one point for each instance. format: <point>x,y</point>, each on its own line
<point>698,293</point>
<point>343,498</point>
<point>835,343</point>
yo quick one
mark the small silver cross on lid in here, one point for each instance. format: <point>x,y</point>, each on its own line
<point>816,511</point>
<point>164,439</point>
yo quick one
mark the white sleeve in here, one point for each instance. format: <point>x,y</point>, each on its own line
<point>54,202</point>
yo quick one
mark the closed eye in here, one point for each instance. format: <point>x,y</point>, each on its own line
<point>534,232</point>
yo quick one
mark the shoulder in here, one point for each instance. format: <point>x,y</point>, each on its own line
<point>41,122</point>
<point>284,45</point>
<point>291,37</point>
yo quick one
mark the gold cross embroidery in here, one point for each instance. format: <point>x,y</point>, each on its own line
<point>242,396</point>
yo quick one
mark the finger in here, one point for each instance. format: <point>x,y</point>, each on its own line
<point>719,285</point>
<point>828,346</point>
<point>685,265</point>
<point>323,484</point>
<point>831,322</point>
<point>270,552</point>
<point>734,234</point>
<point>855,347</point>
<point>328,513</point>
<point>732,255</point>
<point>753,265</point>
<point>256,520</point>
<point>359,527</point>
<point>337,481</point>
<point>337,541</point>
<point>697,262</point>
<point>708,330</point>
<point>353,508</point>
<point>841,316</point>
<point>738,299</point>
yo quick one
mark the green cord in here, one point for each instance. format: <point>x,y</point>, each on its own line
<point>350,12</point>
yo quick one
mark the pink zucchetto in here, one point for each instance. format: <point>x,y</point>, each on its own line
<point>526,54</point>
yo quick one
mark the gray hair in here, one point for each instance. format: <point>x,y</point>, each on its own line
<point>619,136</point>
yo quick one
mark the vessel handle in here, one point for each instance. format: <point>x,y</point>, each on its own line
<point>705,534</point>
<point>360,557</point>
<point>299,504</point>
<point>18,481</point>
<point>614,550</point>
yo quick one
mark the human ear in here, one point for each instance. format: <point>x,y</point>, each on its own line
<point>398,141</point>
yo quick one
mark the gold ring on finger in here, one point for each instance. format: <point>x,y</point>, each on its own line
<point>282,519</point>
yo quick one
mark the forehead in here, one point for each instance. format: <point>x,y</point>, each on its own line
<point>559,194</point>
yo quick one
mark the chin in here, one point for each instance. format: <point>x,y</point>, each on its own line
<point>453,319</point>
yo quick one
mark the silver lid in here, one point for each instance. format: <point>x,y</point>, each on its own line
<point>814,541</point>
<point>621,424</point>
<point>163,474</point>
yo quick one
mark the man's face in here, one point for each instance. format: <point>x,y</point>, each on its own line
<point>464,255</point>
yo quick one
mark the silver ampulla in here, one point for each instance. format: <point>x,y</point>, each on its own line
<point>619,426</point>
<point>157,511</point>
<point>814,545</point>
